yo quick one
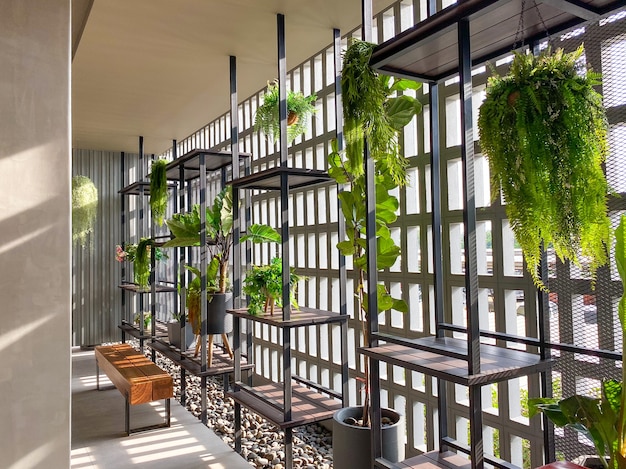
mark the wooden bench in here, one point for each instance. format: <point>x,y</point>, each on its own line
<point>138,379</point>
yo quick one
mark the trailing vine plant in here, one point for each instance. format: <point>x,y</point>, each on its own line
<point>299,109</point>
<point>372,111</point>
<point>84,209</point>
<point>543,127</point>
<point>141,263</point>
<point>158,191</point>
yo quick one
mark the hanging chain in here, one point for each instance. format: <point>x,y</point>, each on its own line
<point>519,34</point>
<point>543,24</point>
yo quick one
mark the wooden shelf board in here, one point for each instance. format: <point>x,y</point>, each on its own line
<point>426,356</point>
<point>429,50</point>
<point>435,459</point>
<point>131,287</point>
<point>134,331</point>
<point>302,317</point>
<point>222,363</point>
<point>307,405</point>
<point>190,161</point>
<point>270,179</point>
<point>140,188</point>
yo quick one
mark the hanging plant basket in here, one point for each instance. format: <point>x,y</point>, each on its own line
<point>84,209</point>
<point>299,109</point>
<point>158,191</point>
<point>543,127</point>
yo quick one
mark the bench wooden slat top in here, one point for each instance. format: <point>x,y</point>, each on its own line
<point>133,374</point>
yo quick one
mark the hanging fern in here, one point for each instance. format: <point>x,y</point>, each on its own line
<point>543,127</point>
<point>84,208</point>
<point>158,191</point>
<point>299,109</point>
<point>371,110</point>
<point>141,264</point>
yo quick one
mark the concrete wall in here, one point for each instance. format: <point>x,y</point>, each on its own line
<point>35,241</point>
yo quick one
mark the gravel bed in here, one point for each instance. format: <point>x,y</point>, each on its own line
<point>262,443</point>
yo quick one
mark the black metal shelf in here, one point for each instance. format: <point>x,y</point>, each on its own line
<point>429,50</point>
<point>271,179</point>
<point>298,318</point>
<point>432,460</point>
<point>190,163</point>
<point>307,405</point>
<point>134,288</point>
<point>140,188</point>
<point>135,332</point>
<point>222,363</point>
<point>446,358</point>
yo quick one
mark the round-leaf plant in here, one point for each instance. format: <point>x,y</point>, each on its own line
<point>543,127</point>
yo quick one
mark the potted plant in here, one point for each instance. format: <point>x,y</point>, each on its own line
<point>373,111</point>
<point>264,286</point>
<point>299,109</point>
<point>175,331</point>
<point>601,419</point>
<point>139,255</point>
<point>84,209</point>
<point>185,228</point>
<point>543,127</point>
<point>158,191</point>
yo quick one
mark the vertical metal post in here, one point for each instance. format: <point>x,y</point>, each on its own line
<point>469,219</point>
<point>140,234</point>
<point>341,224</point>
<point>203,294</point>
<point>125,311</point>
<point>284,204</point>
<point>545,377</point>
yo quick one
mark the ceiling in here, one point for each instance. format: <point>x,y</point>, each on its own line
<point>160,68</point>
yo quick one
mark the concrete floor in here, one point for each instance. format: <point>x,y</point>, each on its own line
<point>99,441</point>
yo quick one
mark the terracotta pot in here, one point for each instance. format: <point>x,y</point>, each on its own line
<point>292,118</point>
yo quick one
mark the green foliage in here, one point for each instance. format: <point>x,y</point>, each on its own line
<point>84,208</point>
<point>299,108</point>
<point>372,113</point>
<point>602,419</point>
<point>141,263</point>
<point>264,287</point>
<point>371,110</point>
<point>544,128</point>
<point>595,418</point>
<point>158,191</point>
<point>194,292</point>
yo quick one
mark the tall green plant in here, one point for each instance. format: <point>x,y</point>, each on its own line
<point>543,127</point>
<point>158,191</point>
<point>84,208</point>
<point>185,228</point>
<point>141,263</point>
<point>372,111</point>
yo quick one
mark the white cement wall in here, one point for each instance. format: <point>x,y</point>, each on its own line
<point>35,241</point>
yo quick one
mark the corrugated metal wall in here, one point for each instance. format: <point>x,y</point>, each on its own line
<point>96,299</point>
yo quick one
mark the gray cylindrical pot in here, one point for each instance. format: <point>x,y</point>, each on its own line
<point>352,445</point>
<point>218,322</point>
<point>174,333</point>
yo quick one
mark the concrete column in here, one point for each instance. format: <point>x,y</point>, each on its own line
<point>35,240</point>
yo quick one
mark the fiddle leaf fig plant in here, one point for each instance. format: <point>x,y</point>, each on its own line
<point>543,127</point>
<point>375,111</point>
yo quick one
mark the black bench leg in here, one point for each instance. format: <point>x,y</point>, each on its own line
<point>127,416</point>
<point>97,376</point>
<point>167,412</point>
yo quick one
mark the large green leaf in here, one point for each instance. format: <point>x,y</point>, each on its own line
<point>401,110</point>
<point>258,233</point>
<point>403,84</point>
<point>620,261</point>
